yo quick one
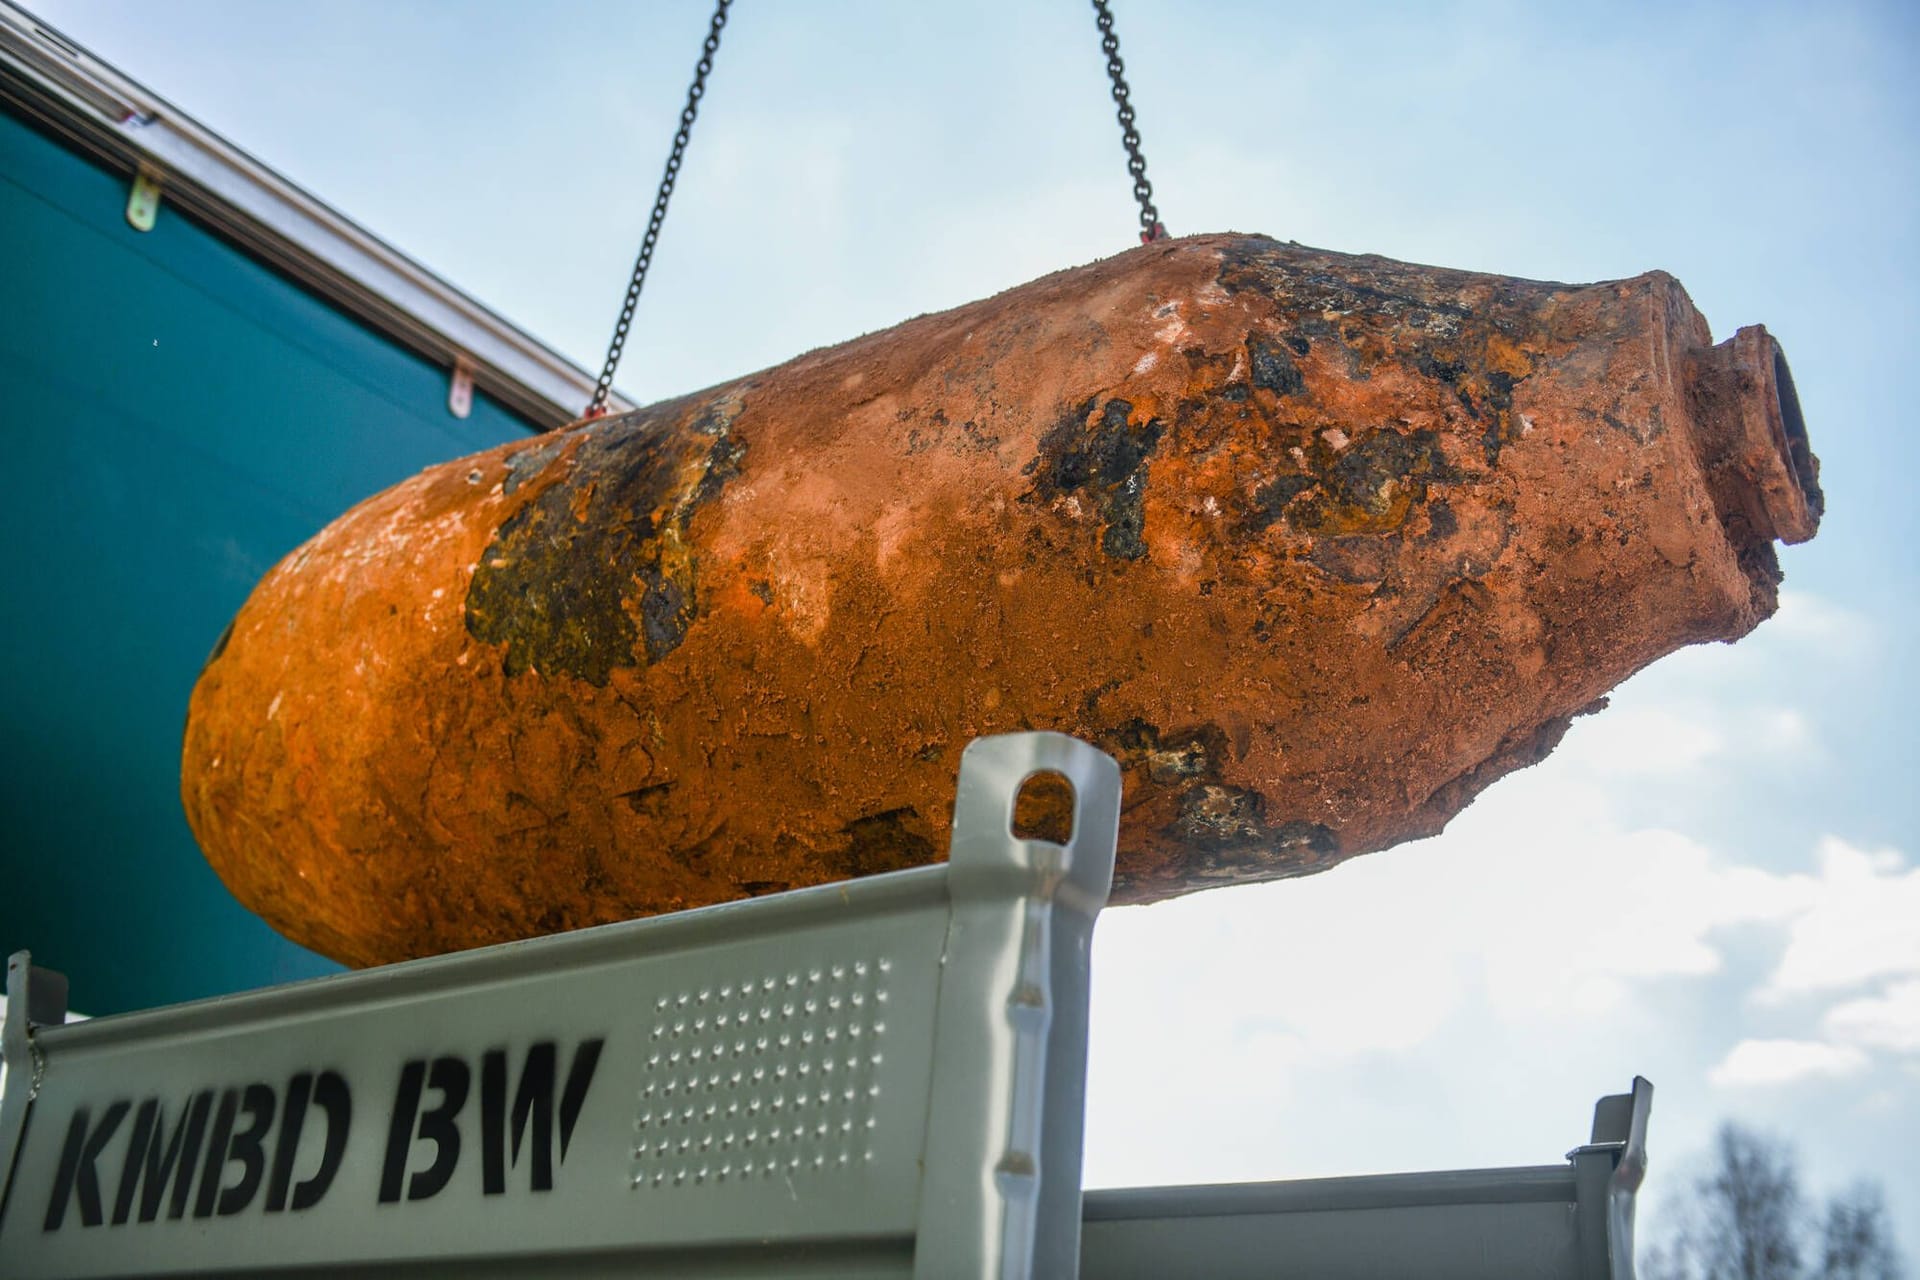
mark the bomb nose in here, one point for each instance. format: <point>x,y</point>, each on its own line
<point>1759,464</point>
<point>1805,466</point>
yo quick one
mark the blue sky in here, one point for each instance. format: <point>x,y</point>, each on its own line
<point>1715,883</point>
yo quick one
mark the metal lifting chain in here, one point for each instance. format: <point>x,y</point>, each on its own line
<point>604,387</point>
<point>1150,227</point>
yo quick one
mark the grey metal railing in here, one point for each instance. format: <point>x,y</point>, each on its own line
<point>883,1077</point>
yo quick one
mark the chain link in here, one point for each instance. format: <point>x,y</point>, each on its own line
<point>1150,227</point>
<point>695,92</point>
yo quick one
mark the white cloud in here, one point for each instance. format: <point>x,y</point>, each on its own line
<point>1834,629</point>
<point>1777,1062</point>
<point>1376,956</point>
<point>1642,740</point>
<point>1537,907</point>
<point>1695,710</point>
<point>1777,730</point>
<point>1861,921</point>
<point>1678,735</point>
<point>1539,914</point>
<point>1890,1020</point>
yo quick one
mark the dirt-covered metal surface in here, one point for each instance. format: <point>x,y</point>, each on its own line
<point>1317,545</point>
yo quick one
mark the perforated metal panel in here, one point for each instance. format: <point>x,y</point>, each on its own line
<point>884,1077</point>
<point>774,1076</point>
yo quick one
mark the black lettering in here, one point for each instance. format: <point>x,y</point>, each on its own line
<point>406,1107</point>
<point>532,1106</point>
<point>183,1183</point>
<point>77,1174</point>
<point>216,1153</point>
<point>330,1094</point>
<point>493,1119</point>
<point>534,1101</point>
<point>189,1158</point>
<point>152,1163</point>
<point>141,1151</point>
<point>585,1059</point>
<point>451,1077</point>
<point>293,1117</point>
<point>248,1146</point>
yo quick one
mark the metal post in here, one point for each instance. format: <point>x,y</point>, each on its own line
<point>35,997</point>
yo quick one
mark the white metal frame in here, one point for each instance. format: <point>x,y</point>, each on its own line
<point>122,122</point>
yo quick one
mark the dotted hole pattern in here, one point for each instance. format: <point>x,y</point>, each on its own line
<point>775,1075</point>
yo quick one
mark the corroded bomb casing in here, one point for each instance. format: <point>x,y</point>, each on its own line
<point>1317,545</point>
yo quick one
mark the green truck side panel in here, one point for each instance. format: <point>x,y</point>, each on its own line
<point>175,417</point>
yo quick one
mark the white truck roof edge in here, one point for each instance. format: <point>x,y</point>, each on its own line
<point>120,121</point>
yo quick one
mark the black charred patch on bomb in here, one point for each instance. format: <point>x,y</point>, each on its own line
<point>1441,368</point>
<point>1494,407</point>
<point>715,423</point>
<point>1271,367</point>
<point>525,464</point>
<point>1363,471</point>
<point>1270,500</point>
<point>1225,827</point>
<point>1317,281</point>
<point>1217,819</point>
<point>665,610</point>
<point>1228,828</point>
<point>887,841</point>
<point>1103,458</point>
<point>1486,393</point>
<point>1381,312</point>
<point>621,500</point>
<point>1167,758</point>
<point>1372,484</point>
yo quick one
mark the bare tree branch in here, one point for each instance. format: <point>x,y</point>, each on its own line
<point>1746,1219</point>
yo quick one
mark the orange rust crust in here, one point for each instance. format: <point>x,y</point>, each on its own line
<point>1317,545</point>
